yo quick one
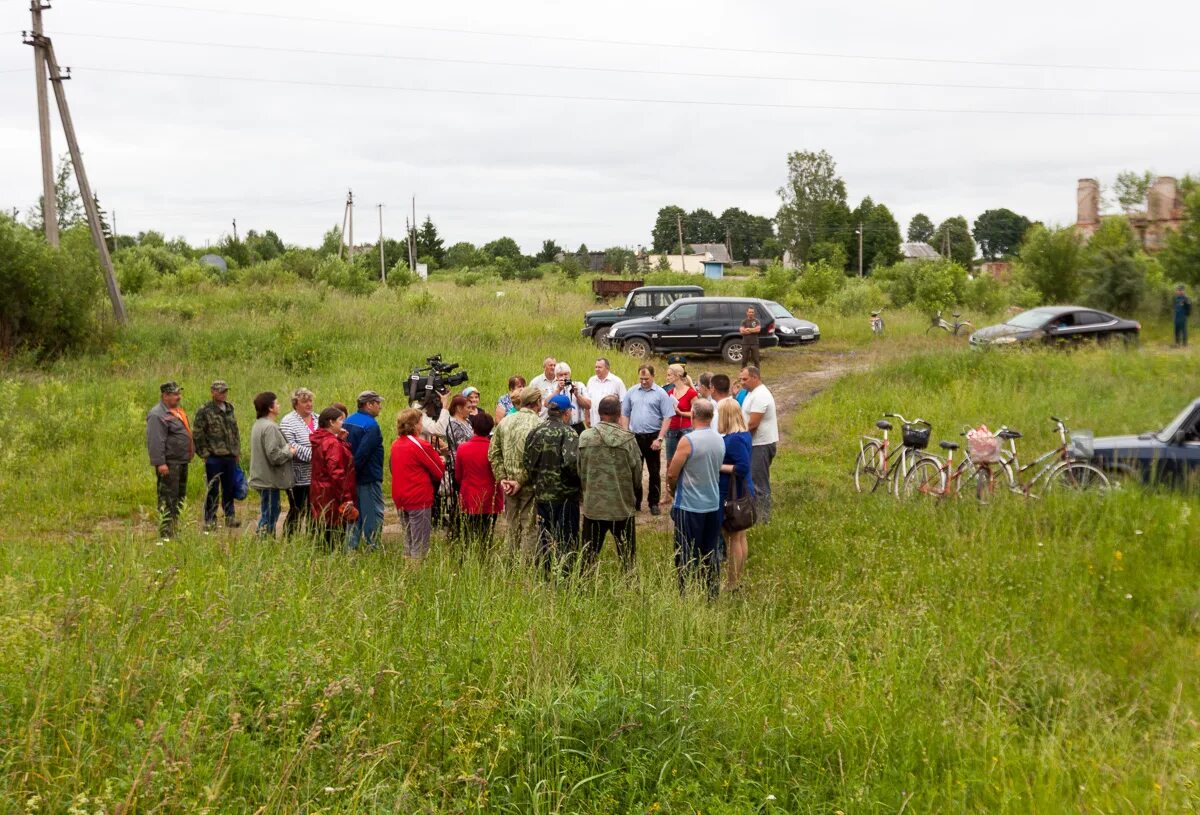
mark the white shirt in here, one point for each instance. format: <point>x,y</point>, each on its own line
<point>598,388</point>
<point>761,401</point>
<point>546,386</point>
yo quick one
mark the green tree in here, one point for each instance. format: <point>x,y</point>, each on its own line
<point>66,199</point>
<point>1131,189</point>
<point>463,255</point>
<point>820,280</point>
<point>1113,279</point>
<point>1052,263</point>
<point>430,243</point>
<point>920,228</point>
<point>813,203</point>
<point>701,226</point>
<point>1181,259</point>
<point>747,233</point>
<point>503,248</point>
<point>957,234</point>
<point>665,235</point>
<point>999,232</point>
<point>331,242</point>
<point>831,253</point>
<point>266,246</point>
<point>617,260</point>
<point>550,251</point>
<point>881,236</point>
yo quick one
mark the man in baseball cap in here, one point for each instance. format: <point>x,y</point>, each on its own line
<point>169,443</point>
<point>219,444</point>
<point>551,464</point>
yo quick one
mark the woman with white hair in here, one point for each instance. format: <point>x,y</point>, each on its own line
<point>297,426</point>
<point>573,390</point>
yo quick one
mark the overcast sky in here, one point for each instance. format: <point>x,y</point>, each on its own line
<point>186,155</point>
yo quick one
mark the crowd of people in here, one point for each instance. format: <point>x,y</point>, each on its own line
<point>562,460</point>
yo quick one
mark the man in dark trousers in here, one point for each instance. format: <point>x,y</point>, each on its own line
<point>1183,310</point>
<point>169,443</point>
<point>610,464</point>
<point>552,464</point>
<point>750,330</point>
<point>219,446</point>
<point>646,411</point>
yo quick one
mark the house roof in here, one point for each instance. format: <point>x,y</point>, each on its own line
<point>718,251</point>
<point>918,250</point>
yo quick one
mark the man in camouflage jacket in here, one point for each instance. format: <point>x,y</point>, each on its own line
<point>610,464</point>
<point>551,462</point>
<point>506,454</point>
<point>218,444</point>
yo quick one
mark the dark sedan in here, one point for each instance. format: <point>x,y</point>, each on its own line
<point>790,329</point>
<point>1058,325</point>
<point>1168,456</point>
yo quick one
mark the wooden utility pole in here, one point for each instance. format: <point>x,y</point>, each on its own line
<point>235,237</point>
<point>49,193</point>
<point>342,237</point>
<point>85,189</point>
<point>350,209</point>
<point>412,243</point>
<point>382,262</point>
<point>679,224</point>
<point>860,248</point>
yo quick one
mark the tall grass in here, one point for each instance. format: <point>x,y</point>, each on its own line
<point>924,657</point>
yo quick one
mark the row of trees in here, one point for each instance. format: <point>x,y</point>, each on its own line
<point>748,236</point>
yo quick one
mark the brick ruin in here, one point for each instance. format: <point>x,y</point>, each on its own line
<point>1164,211</point>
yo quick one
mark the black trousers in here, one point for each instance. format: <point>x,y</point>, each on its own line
<point>218,473</point>
<point>476,531</point>
<point>653,459</point>
<point>172,489</point>
<point>297,509</point>
<point>558,534</point>
<point>624,532</point>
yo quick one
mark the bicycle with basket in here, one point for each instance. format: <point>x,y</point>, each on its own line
<point>878,463</point>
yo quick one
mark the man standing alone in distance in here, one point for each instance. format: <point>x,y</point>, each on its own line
<point>219,445</point>
<point>750,330</point>
<point>759,410</point>
<point>610,465</point>
<point>169,443</point>
<point>506,454</point>
<point>1183,309</point>
<point>647,411</point>
<point>694,473</point>
<point>366,443</point>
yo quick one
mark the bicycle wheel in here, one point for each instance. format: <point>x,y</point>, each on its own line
<point>868,467</point>
<point>986,481</point>
<point>1076,476</point>
<point>926,477</point>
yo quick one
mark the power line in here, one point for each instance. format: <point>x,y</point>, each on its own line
<point>644,44</point>
<point>650,100</point>
<point>635,71</point>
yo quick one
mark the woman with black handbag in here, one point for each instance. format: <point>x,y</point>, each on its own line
<point>737,490</point>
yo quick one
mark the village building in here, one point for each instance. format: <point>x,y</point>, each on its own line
<point>1163,213</point>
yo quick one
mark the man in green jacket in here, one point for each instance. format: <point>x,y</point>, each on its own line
<point>215,430</point>
<point>506,454</point>
<point>551,453</point>
<point>610,464</point>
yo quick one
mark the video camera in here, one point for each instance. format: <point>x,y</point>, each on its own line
<point>436,377</point>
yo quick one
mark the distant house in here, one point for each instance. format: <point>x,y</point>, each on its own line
<point>709,259</point>
<point>918,250</point>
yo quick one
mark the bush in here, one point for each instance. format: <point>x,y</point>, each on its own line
<point>1052,263</point>
<point>400,276</point>
<point>271,273</point>
<point>536,273</point>
<point>135,274</point>
<point>468,279</point>
<point>51,296</point>
<point>341,275</point>
<point>930,285</point>
<point>161,259</point>
<point>420,302</point>
<point>301,262</point>
<point>858,296</point>
<point>819,281</point>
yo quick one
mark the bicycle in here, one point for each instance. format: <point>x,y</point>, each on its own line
<point>878,463</point>
<point>932,475</point>
<point>1063,468</point>
<point>950,328</point>
<point>876,323</point>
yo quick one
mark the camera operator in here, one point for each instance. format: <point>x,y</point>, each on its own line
<point>580,403</point>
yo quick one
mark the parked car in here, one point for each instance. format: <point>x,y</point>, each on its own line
<point>790,329</point>
<point>1169,456</point>
<point>1058,325</point>
<point>695,325</point>
<point>646,301</point>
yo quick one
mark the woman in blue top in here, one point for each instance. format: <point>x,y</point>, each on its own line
<point>731,424</point>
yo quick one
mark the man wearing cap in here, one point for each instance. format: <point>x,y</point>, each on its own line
<point>215,431</point>
<point>551,464</point>
<point>366,443</point>
<point>1182,308</point>
<point>506,454</point>
<point>169,443</point>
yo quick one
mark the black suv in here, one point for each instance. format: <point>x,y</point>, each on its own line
<point>644,302</point>
<point>697,325</point>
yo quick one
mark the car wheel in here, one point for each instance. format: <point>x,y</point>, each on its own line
<point>733,351</point>
<point>637,348</point>
<point>600,337</point>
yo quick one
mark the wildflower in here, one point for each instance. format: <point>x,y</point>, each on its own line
<point>1118,556</point>
<point>1129,597</point>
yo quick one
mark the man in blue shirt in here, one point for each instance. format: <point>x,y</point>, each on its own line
<point>1183,309</point>
<point>647,411</point>
<point>366,443</point>
<point>695,474</point>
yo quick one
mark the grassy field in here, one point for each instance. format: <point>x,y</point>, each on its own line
<point>884,657</point>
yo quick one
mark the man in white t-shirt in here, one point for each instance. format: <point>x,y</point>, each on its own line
<point>546,382</point>
<point>604,383</point>
<point>759,410</point>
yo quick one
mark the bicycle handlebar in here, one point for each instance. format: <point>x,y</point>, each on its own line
<point>906,421</point>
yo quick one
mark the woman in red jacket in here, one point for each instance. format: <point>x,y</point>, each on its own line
<point>416,468</point>
<point>331,496</point>
<point>480,499</point>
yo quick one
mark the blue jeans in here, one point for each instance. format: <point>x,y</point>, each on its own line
<point>671,442</point>
<point>697,536</point>
<point>369,525</point>
<point>218,478</point>
<point>269,512</point>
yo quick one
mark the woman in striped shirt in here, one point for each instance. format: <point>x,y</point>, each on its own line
<point>297,426</point>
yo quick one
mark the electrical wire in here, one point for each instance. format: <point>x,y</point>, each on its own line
<point>649,100</point>
<point>644,44</point>
<point>634,71</point>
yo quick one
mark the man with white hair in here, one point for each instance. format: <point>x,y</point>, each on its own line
<point>574,391</point>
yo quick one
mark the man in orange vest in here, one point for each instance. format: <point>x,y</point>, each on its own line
<point>169,443</point>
